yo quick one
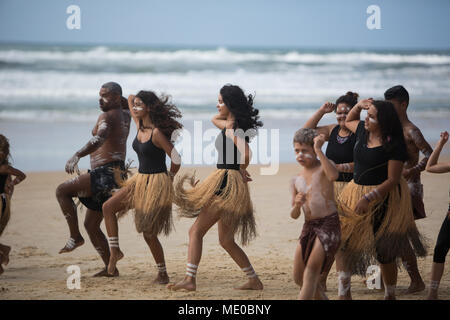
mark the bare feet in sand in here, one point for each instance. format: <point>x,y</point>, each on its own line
<point>187,284</point>
<point>161,278</point>
<point>1,262</point>
<point>432,295</point>
<point>320,293</point>
<point>415,287</point>
<point>72,244</point>
<point>4,252</point>
<point>104,273</point>
<point>116,255</point>
<point>252,284</point>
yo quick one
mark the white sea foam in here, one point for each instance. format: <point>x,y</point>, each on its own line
<point>103,54</point>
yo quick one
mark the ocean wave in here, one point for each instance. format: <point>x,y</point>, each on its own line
<point>201,87</point>
<point>103,56</point>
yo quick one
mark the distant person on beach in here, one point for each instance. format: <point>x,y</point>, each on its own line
<point>312,191</point>
<point>377,222</point>
<point>149,192</point>
<point>6,191</point>
<point>107,151</point>
<point>223,197</point>
<point>341,142</point>
<point>443,239</point>
<point>415,143</point>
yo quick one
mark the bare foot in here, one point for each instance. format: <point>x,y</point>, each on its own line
<point>161,278</point>
<point>432,295</point>
<point>390,297</point>
<point>104,273</point>
<point>252,284</point>
<point>115,256</point>
<point>320,293</point>
<point>415,287</point>
<point>72,244</point>
<point>4,250</point>
<point>323,284</point>
<point>187,284</point>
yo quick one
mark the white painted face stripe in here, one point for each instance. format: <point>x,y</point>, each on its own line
<point>222,104</point>
<point>372,120</point>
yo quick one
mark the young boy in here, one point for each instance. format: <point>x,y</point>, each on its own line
<point>312,191</point>
<point>415,143</point>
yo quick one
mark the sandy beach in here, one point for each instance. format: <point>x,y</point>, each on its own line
<point>37,230</point>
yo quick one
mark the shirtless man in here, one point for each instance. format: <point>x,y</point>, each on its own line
<point>107,151</point>
<point>312,191</point>
<point>415,143</point>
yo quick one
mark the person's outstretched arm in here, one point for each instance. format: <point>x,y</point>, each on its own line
<point>312,122</point>
<point>432,165</point>
<point>424,147</point>
<point>353,117</point>
<point>328,167</point>
<point>104,123</point>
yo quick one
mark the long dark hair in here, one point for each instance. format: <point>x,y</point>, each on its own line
<point>241,106</point>
<point>4,150</point>
<point>162,113</point>
<point>390,126</point>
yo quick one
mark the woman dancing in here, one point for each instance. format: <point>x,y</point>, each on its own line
<point>6,191</point>
<point>150,191</point>
<point>341,142</point>
<point>223,197</point>
<point>376,215</point>
<point>443,239</point>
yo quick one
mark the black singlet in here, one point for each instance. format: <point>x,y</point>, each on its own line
<point>151,158</point>
<point>371,164</point>
<point>228,152</point>
<point>341,152</point>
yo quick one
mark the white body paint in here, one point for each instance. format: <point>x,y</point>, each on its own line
<point>317,205</point>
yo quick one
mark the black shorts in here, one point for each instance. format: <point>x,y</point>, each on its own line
<point>103,181</point>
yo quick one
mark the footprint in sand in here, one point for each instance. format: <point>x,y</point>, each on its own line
<point>27,252</point>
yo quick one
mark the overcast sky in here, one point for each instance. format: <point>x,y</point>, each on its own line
<point>405,24</point>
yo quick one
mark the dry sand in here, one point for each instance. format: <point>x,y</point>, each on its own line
<point>37,230</point>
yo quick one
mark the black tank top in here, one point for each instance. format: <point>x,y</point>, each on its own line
<point>3,178</point>
<point>228,152</point>
<point>371,164</point>
<point>151,158</point>
<point>341,152</point>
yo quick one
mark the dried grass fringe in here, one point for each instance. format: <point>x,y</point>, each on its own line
<point>234,204</point>
<point>151,197</point>
<point>397,231</point>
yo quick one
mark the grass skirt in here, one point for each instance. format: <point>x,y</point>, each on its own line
<point>233,202</point>
<point>338,186</point>
<point>151,197</point>
<point>361,244</point>
<point>5,213</point>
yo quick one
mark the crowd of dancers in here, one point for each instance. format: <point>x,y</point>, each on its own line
<point>360,198</point>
